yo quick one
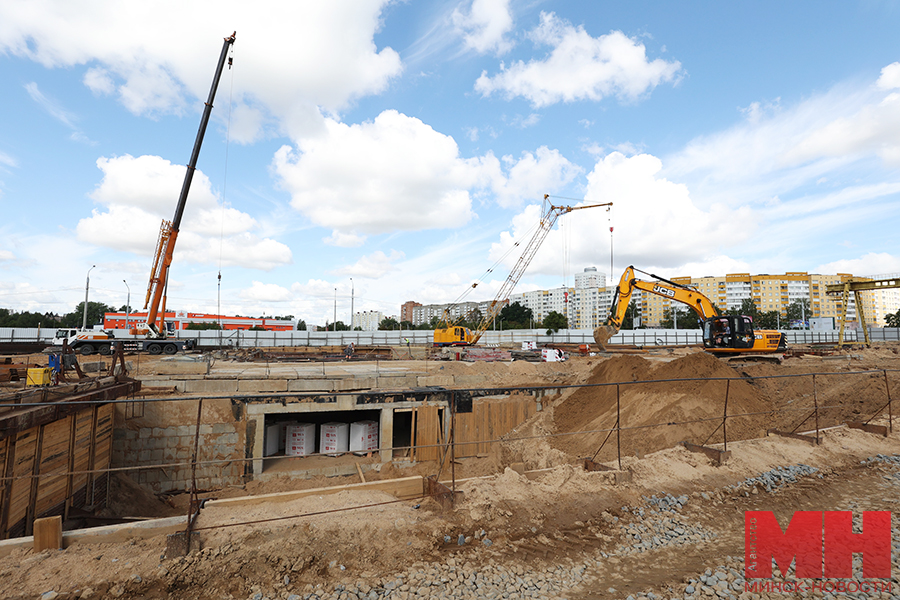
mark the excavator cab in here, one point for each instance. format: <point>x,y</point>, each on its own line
<point>728,331</point>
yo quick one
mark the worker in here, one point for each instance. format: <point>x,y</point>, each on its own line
<point>348,351</point>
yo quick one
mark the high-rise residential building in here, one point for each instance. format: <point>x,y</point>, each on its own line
<point>425,313</point>
<point>406,310</point>
<point>367,320</point>
<point>768,293</point>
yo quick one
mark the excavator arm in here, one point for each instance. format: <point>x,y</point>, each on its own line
<point>699,303</point>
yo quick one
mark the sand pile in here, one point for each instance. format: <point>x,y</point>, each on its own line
<point>668,403</point>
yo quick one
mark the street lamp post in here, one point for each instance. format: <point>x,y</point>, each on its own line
<point>127,306</point>
<point>351,304</point>
<point>87,286</point>
<point>334,326</point>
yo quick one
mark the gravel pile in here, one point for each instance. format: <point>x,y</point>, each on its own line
<point>893,460</point>
<point>661,526</point>
<point>775,479</point>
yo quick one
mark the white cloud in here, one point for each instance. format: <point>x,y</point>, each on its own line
<point>872,263</point>
<point>7,255</point>
<point>656,223</point>
<point>779,149</point>
<point>289,58</point>
<point>374,266</point>
<point>484,25</point>
<point>580,67</point>
<point>391,174</point>
<point>345,240</point>
<point>890,77</point>
<point>7,160</point>
<point>266,292</point>
<point>533,175</point>
<point>138,192</point>
<point>56,110</point>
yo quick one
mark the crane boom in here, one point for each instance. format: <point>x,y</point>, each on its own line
<point>549,216</point>
<point>165,249</point>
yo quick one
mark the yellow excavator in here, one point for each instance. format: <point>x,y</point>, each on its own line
<point>723,335</point>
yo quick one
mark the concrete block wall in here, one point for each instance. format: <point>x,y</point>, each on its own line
<point>172,447</point>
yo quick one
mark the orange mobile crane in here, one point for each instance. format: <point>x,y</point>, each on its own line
<point>455,335</point>
<point>722,334</point>
<point>159,274</point>
<point>154,329</point>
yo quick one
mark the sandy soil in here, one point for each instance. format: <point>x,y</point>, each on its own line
<point>518,514</point>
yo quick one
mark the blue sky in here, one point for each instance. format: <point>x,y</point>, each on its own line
<point>408,145</point>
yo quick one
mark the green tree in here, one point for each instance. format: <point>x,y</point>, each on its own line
<point>257,328</point>
<point>10,318</point>
<point>515,316</point>
<point>797,311</point>
<point>554,321</point>
<point>892,320</point>
<point>630,315</point>
<point>95,313</point>
<point>388,324</point>
<point>301,325</point>
<point>406,325</point>
<point>202,326</point>
<point>339,326</point>
<point>683,318</point>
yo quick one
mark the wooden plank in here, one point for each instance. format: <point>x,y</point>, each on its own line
<point>53,481</point>
<point>797,436</point>
<point>102,454</point>
<point>23,468</point>
<point>716,455</point>
<point>48,534</point>
<point>6,470</point>
<point>428,433</point>
<point>876,429</point>
<point>362,477</point>
<point>81,460</point>
<point>406,488</point>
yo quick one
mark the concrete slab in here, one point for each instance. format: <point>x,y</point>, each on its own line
<point>310,385</point>
<point>435,380</point>
<point>251,386</point>
<point>210,386</point>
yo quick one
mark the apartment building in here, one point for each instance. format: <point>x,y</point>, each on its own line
<point>367,320</point>
<point>424,313</point>
<point>768,293</point>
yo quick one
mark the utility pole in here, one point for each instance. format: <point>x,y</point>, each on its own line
<point>351,304</point>
<point>334,322</point>
<point>87,285</point>
<point>127,306</point>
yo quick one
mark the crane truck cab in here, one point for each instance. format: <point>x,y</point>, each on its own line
<point>85,341</point>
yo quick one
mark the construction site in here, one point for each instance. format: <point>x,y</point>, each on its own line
<point>146,466</point>
<point>605,476</point>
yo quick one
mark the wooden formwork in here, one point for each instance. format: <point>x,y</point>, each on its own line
<point>55,451</point>
<point>45,469</point>
<point>490,419</point>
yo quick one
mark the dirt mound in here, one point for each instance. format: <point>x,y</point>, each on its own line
<point>656,414</point>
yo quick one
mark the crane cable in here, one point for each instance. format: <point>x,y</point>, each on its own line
<point>224,189</point>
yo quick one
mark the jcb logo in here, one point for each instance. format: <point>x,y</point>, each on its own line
<point>664,291</point>
<point>822,542</point>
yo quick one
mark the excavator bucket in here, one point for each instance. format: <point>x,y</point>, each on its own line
<point>602,335</point>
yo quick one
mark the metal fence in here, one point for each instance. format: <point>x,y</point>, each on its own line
<point>417,337</point>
